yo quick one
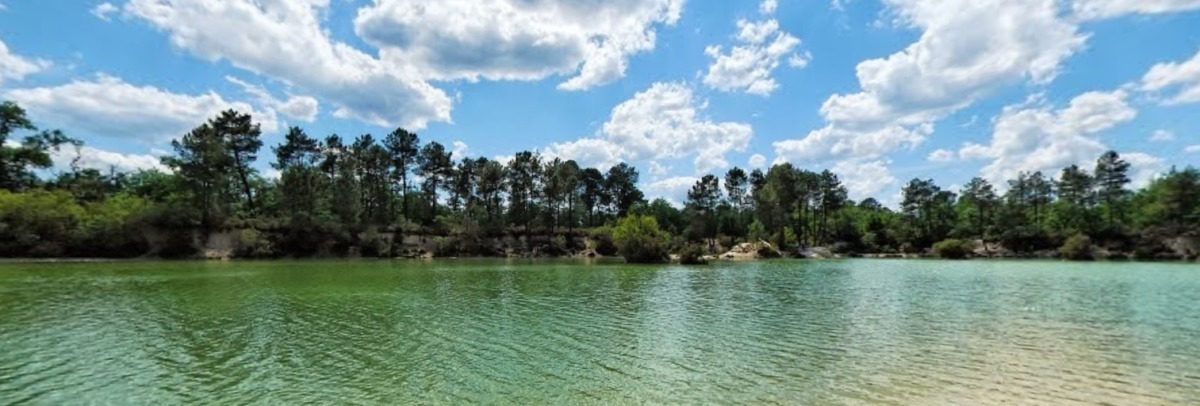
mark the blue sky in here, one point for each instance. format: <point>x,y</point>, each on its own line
<point>880,91</point>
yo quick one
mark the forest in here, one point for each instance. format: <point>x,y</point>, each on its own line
<point>396,196</point>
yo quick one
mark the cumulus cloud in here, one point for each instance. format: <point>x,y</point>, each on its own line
<point>1040,138</point>
<point>1098,9</point>
<point>941,155</point>
<point>663,121</point>
<point>104,10</point>
<point>864,178</point>
<point>1162,136</point>
<point>87,157</point>
<point>286,41</point>
<point>16,67</point>
<point>1143,168</point>
<point>673,190</point>
<point>768,6</point>
<point>298,107</point>
<point>516,39</point>
<point>748,66</point>
<point>108,106</point>
<point>1181,77</point>
<point>967,50</point>
<point>459,149</point>
<point>758,161</point>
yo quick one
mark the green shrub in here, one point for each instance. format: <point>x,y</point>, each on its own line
<point>757,232</point>
<point>253,244</point>
<point>1077,248</point>
<point>602,241</point>
<point>639,240</point>
<point>693,254</point>
<point>952,249</point>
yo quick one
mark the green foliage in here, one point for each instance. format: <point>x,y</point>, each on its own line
<point>757,232</point>
<point>333,196</point>
<point>603,242</point>
<point>692,254</point>
<point>953,249</point>
<point>639,239</point>
<point>1077,248</point>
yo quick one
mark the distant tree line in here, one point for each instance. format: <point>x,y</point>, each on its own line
<point>336,195</point>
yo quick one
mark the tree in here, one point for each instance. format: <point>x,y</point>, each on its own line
<point>241,137</point>
<point>1112,174</point>
<point>300,179</point>
<point>639,240</point>
<point>202,164</point>
<point>592,194</point>
<point>436,165</point>
<point>831,197</point>
<point>1173,201</point>
<point>928,210</point>
<point>979,203</point>
<point>621,185</point>
<point>702,200</point>
<point>737,189</point>
<point>18,162</point>
<point>402,147</point>
<point>1075,200</point>
<point>524,174</point>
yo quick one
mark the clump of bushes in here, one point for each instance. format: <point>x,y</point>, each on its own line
<point>602,241</point>
<point>692,254</point>
<point>639,240</point>
<point>953,249</point>
<point>1077,248</point>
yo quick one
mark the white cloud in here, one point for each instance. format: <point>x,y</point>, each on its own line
<point>661,122</point>
<point>108,106</point>
<point>941,155</point>
<point>758,161</point>
<point>16,67</point>
<point>94,158</point>
<point>863,178</point>
<point>299,107</point>
<point>1192,149</point>
<point>673,190</point>
<point>285,40</point>
<point>968,49</point>
<point>748,66</point>
<point>1039,138</point>
<point>768,6</point>
<point>1098,9</point>
<point>1143,168</point>
<point>516,39</point>
<point>658,170</point>
<point>103,10</point>
<point>459,149</point>
<point>1162,136</point>
<point>1181,76</point>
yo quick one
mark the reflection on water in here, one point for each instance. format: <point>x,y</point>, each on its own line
<point>837,332</point>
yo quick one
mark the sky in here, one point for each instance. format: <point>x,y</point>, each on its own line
<point>879,91</point>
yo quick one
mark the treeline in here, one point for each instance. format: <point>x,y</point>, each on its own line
<point>363,195</point>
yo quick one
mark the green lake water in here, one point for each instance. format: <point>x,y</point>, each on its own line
<point>496,332</point>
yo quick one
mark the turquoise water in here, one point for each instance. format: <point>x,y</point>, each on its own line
<point>458,332</point>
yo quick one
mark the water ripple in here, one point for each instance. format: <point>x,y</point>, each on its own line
<point>838,332</point>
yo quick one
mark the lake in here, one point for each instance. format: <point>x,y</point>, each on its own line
<point>865,332</point>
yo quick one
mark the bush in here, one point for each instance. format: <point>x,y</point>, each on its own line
<point>639,240</point>
<point>693,254</point>
<point>602,241</point>
<point>952,249</point>
<point>253,244</point>
<point>1077,248</point>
